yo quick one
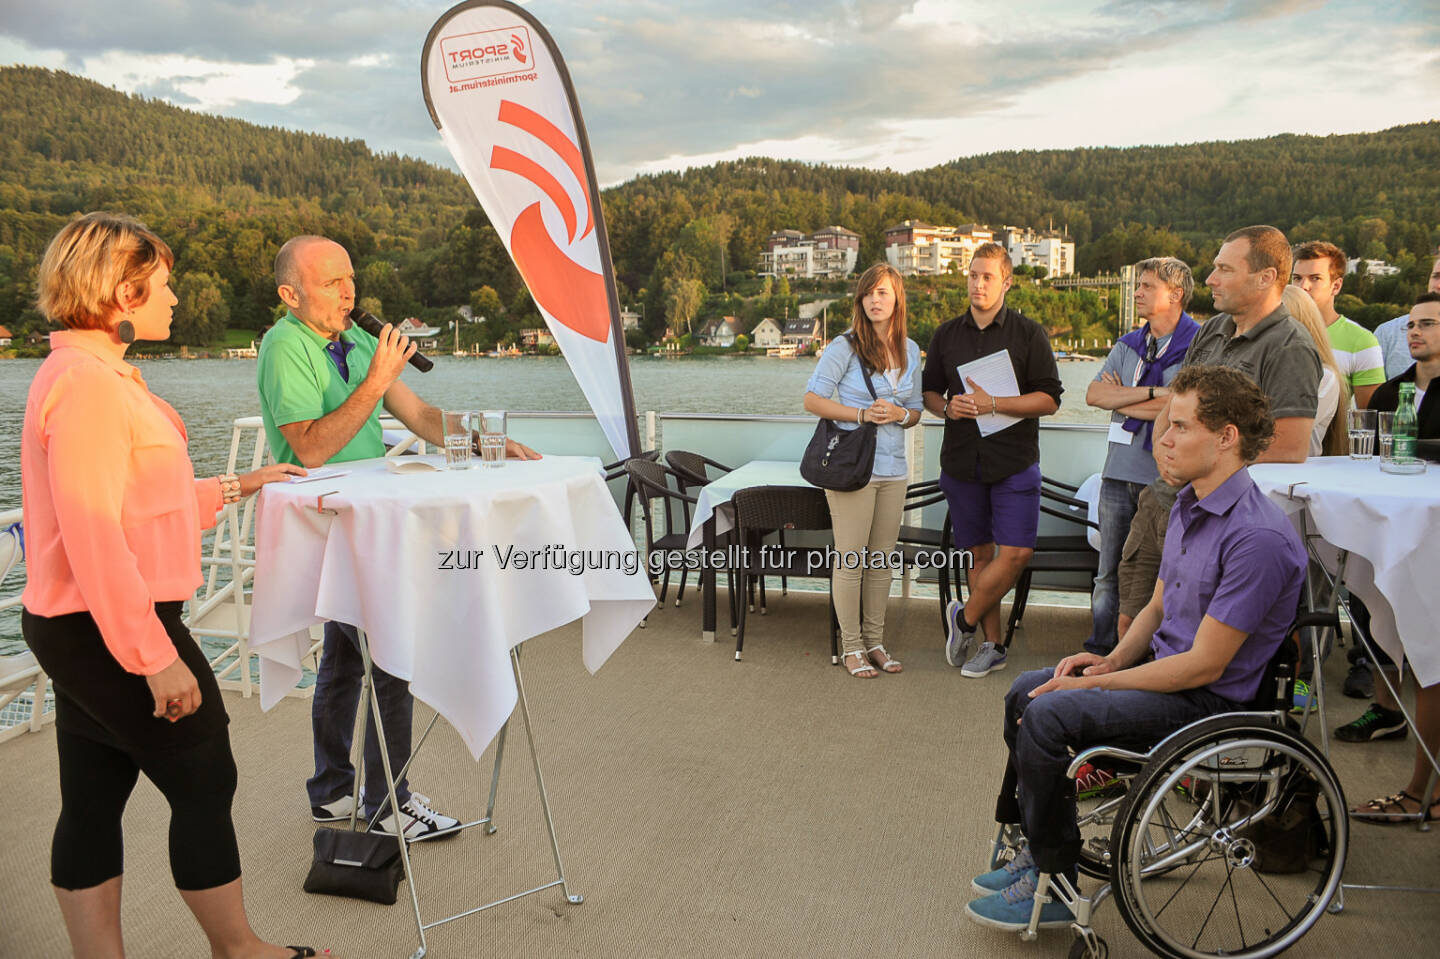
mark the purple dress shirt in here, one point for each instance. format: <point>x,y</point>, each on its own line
<point>1234,556</point>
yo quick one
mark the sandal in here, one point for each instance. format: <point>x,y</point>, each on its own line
<point>1390,810</point>
<point>886,664</point>
<point>864,666</point>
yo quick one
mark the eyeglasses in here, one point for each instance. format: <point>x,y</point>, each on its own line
<point>1152,349</point>
<point>1426,325</point>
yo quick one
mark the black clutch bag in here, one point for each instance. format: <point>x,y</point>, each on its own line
<point>838,459</point>
<point>359,865</point>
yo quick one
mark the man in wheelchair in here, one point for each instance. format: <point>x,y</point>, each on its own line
<point>1230,578</point>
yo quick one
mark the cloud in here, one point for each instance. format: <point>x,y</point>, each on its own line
<point>847,81</point>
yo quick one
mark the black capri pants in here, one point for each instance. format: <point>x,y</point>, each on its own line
<point>107,735</point>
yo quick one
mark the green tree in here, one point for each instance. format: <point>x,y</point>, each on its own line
<point>201,314</point>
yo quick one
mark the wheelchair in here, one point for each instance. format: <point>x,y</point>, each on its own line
<point>1227,838</point>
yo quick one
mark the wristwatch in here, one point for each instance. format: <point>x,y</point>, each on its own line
<point>1152,392</point>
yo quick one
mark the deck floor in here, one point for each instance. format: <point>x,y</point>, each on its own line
<point>774,807</point>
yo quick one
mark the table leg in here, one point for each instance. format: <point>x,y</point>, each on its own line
<point>390,788</point>
<point>707,583</point>
<point>495,780</point>
<point>540,780</point>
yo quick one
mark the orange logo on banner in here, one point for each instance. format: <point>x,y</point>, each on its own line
<point>517,48</point>
<point>573,295</point>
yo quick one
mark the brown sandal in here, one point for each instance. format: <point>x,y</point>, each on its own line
<point>886,664</point>
<point>859,670</point>
<point>1391,811</point>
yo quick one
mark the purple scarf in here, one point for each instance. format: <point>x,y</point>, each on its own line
<point>1153,367</point>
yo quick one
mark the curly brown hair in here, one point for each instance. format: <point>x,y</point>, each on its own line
<point>1226,397</point>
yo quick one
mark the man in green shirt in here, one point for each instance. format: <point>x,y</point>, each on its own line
<point>322,382</point>
<point>1320,270</point>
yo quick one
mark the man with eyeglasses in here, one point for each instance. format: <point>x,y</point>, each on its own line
<point>1394,336</point>
<point>1133,384</point>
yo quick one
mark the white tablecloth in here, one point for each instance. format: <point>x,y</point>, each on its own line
<point>1391,526</point>
<point>718,492</point>
<point>379,561</point>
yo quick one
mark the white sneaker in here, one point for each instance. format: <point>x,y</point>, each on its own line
<point>334,811</point>
<point>421,822</point>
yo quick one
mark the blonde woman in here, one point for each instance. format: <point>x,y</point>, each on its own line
<point>867,521</point>
<point>113,514</point>
<point>1328,435</point>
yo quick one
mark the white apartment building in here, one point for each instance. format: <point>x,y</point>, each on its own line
<point>1029,248</point>
<point>914,247</point>
<point>830,252</point>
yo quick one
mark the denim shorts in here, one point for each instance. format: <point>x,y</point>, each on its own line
<point>1006,512</point>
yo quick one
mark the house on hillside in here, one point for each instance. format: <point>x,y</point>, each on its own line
<point>425,337</point>
<point>721,332</point>
<point>802,332</point>
<point>766,334</point>
<point>5,338</point>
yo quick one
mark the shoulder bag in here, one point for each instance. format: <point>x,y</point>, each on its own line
<point>360,865</point>
<point>841,460</point>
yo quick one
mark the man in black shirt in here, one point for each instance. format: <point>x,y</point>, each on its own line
<point>992,482</point>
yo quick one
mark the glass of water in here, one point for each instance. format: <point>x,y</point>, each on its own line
<point>1361,424</point>
<point>492,437</point>
<point>1385,424</point>
<point>458,438</point>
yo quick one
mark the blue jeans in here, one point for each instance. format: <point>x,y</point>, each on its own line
<point>1117,508</point>
<point>332,721</point>
<point>1036,792</point>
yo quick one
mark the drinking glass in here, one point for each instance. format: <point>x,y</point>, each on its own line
<point>1361,424</point>
<point>492,437</point>
<point>1385,422</point>
<point>458,438</point>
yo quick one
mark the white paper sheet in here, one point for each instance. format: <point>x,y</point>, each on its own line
<point>318,473</point>
<point>995,376</point>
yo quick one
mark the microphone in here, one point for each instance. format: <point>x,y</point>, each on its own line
<point>373,326</point>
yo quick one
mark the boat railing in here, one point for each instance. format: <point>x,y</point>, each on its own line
<point>26,701</point>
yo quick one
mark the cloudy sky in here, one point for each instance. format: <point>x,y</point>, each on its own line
<point>906,84</point>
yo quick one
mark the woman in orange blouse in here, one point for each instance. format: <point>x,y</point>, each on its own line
<point>113,514</point>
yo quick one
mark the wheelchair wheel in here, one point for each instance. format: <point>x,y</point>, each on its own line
<point>1230,843</point>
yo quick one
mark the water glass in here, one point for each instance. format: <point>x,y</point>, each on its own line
<point>492,437</point>
<point>1385,422</point>
<point>458,438</point>
<point>1361,424</point>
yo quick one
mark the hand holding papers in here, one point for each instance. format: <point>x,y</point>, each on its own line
<point>995,376</point>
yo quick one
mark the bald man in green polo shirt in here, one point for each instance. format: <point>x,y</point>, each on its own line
<point>322,382</point>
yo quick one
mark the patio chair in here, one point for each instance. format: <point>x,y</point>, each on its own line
<point>763,508</point>
<point>915,539</point>
<point>651,481</point>
<point>616,470</point>
<point>1068,552</point>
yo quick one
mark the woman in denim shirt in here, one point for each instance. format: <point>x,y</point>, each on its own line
<point>867,521</point>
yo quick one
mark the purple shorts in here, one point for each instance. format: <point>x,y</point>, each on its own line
<point>1006,512</point>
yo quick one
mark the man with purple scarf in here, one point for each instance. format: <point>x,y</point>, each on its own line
<point>1133,383</point>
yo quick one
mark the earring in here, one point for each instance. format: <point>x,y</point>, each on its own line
<point>125,330</point>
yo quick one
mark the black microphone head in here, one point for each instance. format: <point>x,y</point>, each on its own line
<point>373,326</point>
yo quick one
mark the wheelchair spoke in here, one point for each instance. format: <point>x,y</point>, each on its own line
<point>1220,894</point>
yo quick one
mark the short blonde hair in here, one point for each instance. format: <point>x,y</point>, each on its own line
<point>89,260</point>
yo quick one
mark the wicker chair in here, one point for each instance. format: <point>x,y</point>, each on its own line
<point>761,509</point>
<point>649,482</point>
<point>1063,553</point>
<point>916,539</point>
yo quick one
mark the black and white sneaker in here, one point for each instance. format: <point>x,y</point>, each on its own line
<point>334,811</point>
<point>421,822</point>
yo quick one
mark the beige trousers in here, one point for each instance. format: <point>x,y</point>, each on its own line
<point>866,524</point>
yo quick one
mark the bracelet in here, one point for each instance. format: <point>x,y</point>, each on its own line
<point>859,414</point>
<point>229,488</point>
<point>992,405</point>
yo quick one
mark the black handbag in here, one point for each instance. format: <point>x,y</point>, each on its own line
<point>359,865</point>
<point>841,460</point>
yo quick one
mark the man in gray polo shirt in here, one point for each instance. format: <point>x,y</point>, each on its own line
<point>1391,333</point>
<point>1132,384</point>
<point>1256,336</point>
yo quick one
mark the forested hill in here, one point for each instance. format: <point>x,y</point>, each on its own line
<point>226,193</point>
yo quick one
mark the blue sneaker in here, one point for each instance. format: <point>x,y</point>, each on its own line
<point>957,640</point>
<point>1010,908</point>
<point>1005,876</point>
<point>986,660</point>
<point>1305,701</point>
